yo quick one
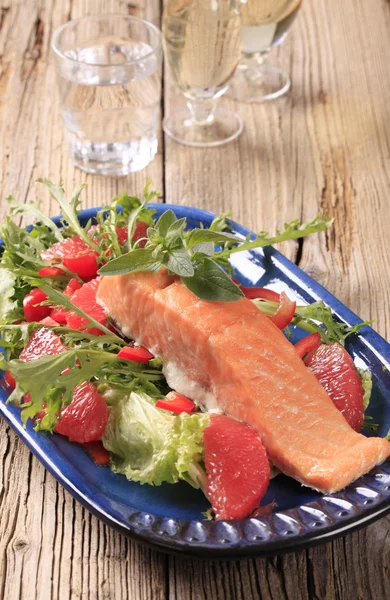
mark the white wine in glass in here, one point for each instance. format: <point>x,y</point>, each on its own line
<point>202,45</point>
<point>265,24</point>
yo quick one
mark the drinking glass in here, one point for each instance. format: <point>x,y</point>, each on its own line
<point>202,45</point>
<point>109,78</point>
<point>265,24</point>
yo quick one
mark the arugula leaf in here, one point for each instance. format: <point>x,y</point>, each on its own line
<point>210,282</point>
<point>315,317</point>
<point>149,195</point>
<point>69,209</point>
<point>292,231</point>
<point>219,223</point>
<point>141,259</point>
<point>33,209</point>
<point>43,379</point>
<point>56,297</point>
<point>15,337</point>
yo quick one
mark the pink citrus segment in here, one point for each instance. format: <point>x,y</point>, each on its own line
<point>85,419</point>
<point>75,254</point>
<point>85,298</point>
<point>42,342</point>
<point>237,467</point>
<point>334,369</point>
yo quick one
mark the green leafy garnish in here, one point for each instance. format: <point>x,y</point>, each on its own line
<point>152,446</point>
<point>368,424</point>
<point>366,379</point>
<point>33,209</point>
<point>43,380</point>
<point>70,210</point>
<point>192,254</point>
<point>315,317</point>
<point>292,231</point>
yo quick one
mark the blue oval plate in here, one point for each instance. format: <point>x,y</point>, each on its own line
<point>170,517</point>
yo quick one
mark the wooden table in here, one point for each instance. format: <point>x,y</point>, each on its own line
<point>326,147</point>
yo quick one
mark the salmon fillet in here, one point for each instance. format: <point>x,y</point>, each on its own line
<point>231,356</point>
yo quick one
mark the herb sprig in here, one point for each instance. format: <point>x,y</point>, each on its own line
<point>193,256</point>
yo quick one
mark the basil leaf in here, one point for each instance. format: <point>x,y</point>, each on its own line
<point>141,259</point>
<point>176,230</point>
<point>180,262</point>
<point>199,236</point>
<point>165,221</point>
<point>210,282</point>
<point>205,248</point>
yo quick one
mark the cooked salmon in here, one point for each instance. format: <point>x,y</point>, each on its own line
<point>231,357</point>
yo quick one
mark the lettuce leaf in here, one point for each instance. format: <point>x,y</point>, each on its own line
<point>366,379</point>
<point>150,445</point>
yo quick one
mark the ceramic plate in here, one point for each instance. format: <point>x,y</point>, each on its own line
<point>170,517</point>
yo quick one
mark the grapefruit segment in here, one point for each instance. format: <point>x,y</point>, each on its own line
<point>85,298</point>
<point>237,467</point>
<point>334,369</point>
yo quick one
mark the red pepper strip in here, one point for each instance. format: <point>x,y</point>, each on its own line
<point>97,452</point>
<point>10,380</point>
<point>308,343</point>
<point>50,272</point>
<point>285,312</point>
<point>32,308</point>
<point>176,403</point>
<point>135,353</point>
<point>258,292</point>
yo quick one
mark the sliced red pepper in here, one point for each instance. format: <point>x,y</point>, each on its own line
<point>50,272</point>
<point>140,233</point>
<point>308,343</point>
<point>285,312</point>
<point>32,308</point>
<point>176,403</point>
<point>97,452</point>
<point>135,353</point>
<point>258,292</point>
<point>10,380</point>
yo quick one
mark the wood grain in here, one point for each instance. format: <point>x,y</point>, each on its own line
<point>324,147</point>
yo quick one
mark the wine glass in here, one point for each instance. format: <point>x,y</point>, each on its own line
<point>265,24</point>
<point>202,45</point>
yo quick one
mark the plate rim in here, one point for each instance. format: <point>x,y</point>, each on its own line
<point>218,547</point>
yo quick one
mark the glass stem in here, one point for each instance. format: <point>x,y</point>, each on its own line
<point>202,110</point>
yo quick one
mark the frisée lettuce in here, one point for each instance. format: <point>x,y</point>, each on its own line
<point>150,445</point>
